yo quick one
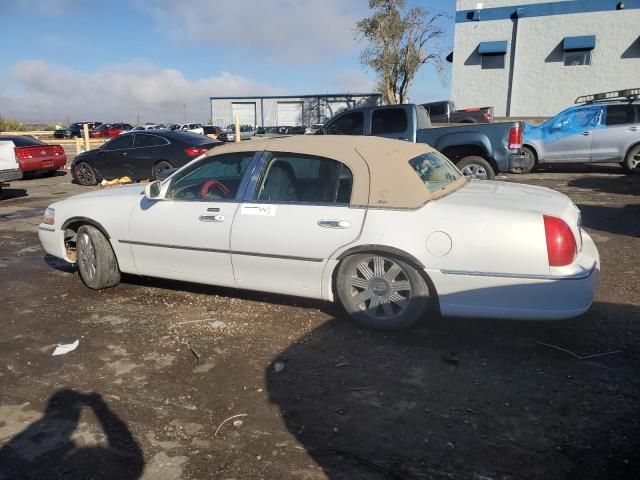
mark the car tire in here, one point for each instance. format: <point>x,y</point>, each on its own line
<point>632,160</point>
<point>476,168</point>
<point>160,167</point>
<point>84,174</point>
<point>400,293</point>
<point>530,155</point>
<point>96,261</point>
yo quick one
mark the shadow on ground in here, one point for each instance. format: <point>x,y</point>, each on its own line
<point>8,193</point>
<point>624,185</point>
<point>46,448</point>
<point>448,399</point>
<point>623,220</point>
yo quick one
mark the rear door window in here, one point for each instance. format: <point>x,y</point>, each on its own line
<point>119,143</point>
<point>143,140</point>
<point>347,124</point>
<point>388,120</point>
<point>620,115</point>
<point>298,178</point>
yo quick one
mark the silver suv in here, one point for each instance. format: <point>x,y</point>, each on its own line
<point>603,127</point>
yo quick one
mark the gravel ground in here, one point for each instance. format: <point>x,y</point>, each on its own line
<point>181,381</point>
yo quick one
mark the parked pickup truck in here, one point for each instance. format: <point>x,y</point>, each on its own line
<point>445,112</point>
<point>479,150</point>
<point>9,166</point>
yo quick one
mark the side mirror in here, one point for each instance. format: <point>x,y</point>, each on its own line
<point>152,190</point>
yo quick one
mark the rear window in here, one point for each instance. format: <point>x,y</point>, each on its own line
<point>388,120</point>
<point>23,141</point>
<point>435,170</point>
<point>423,120</point>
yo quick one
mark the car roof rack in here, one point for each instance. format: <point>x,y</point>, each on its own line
<point>629,94</point>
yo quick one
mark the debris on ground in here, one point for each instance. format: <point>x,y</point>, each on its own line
<point>63,349</point>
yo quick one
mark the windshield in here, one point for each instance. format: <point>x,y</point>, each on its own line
<point>435,170</point>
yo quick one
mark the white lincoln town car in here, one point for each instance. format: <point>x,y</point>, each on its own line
<point>387,228</point>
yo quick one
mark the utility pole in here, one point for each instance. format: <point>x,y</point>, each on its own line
<point>184,113</point>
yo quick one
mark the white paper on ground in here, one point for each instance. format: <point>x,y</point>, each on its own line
<point>69,347</point>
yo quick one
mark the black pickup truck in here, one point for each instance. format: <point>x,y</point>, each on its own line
<point>479,150</point>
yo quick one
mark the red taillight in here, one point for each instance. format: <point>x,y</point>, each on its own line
<point>515,138</point>
<point>561,244</point>
<point>488,116</point>
<point>195,151</point>
<point>22,153</point>
<point>58,150</point>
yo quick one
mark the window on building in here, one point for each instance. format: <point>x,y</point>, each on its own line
<point>577,57</point>
<point>490,62</point>
<point>492,54</point>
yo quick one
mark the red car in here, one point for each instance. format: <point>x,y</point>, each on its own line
<point>101,131</point>
<point>116,129</point>
<point>109,130</point>
<point>35,156</point>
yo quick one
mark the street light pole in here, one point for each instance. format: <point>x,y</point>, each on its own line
<point>184,113</point>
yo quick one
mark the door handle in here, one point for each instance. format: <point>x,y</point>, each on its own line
<point>633,129</point>
<point>207,217</point>
<point>334,223</point>
<point>585,134</point>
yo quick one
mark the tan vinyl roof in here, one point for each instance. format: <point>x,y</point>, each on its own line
<point>382,176</point>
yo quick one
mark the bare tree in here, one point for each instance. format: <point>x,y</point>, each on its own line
<point>400,42</point>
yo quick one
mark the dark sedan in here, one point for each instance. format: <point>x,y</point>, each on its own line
<point>74,130</point>
<point>139,155</point>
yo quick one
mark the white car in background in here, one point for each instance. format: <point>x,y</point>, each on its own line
<point>387,228</point>
<point>146,126</point>
<point>9,166</point>
<point>188,127</point>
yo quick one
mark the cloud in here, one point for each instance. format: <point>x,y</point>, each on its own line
<point>288,31</point>
<point>354,81</point>
<point>35,91</point>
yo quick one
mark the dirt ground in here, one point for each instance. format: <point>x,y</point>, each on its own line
<point>180,381</point>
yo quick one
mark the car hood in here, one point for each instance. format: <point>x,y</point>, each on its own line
<point>512,196</point>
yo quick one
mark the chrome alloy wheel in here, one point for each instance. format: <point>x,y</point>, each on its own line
<point>86,256</point>
<point>475,172</point>
<point>380,287</point>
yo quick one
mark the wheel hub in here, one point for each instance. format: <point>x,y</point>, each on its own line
<point>380,287</point>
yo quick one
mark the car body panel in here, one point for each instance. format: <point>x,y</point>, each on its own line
<point>487,140</point>
<point>585,133</point>
<point>482,245</point>
<point>263,260</point>
<point>137,162</point>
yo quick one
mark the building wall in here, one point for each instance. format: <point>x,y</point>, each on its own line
<point>267,108</point>
<point>541,84</point>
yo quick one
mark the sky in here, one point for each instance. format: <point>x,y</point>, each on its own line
<point>157,60</point>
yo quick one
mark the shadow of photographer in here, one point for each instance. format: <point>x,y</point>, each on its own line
<point>46,448</point>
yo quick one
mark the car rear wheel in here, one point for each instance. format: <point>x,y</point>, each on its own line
<point>96,261</point>
<point>476,168</point>
<point>381,292</point>
<point>84,174</point>
<point>530,161</point>
<point>160,167</point>
<point>632,160</point>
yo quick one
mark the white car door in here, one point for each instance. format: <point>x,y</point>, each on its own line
<point>296,216</point>
<point>185,235</point>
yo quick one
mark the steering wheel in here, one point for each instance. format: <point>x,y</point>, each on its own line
<point>209,184</point>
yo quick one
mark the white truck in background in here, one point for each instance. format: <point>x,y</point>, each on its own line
<point>9,167</point>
